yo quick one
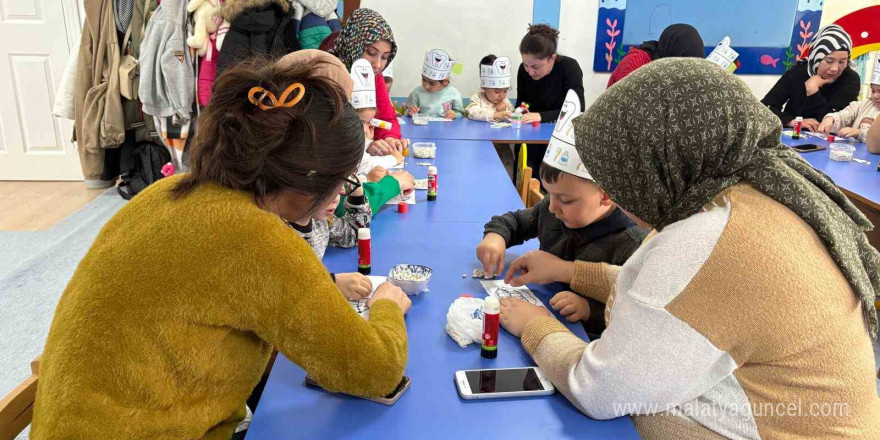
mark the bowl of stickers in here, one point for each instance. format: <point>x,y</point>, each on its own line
<point>411,278</point>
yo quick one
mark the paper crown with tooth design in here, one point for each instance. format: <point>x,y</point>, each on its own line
<point>438,65</point>
<point>496,75</point>
<point>561,152</point>
<point>364,93</point>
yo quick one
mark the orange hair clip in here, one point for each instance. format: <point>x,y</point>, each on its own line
<point>285,101</point>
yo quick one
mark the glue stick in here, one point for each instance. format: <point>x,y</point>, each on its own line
<point>378,123</point>
<point>364,264</point>
<point>432,183</point>
<point>491,312</point>
<point>798,121</point>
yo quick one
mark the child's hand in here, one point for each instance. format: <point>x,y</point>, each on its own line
<point>411,110</point>
<point>528,118</point>
<point>449,114</point>
<point>490,252</point>
<point>354,285</point>
<point>502,115</point>
<point>398,156</point>
<point>501,105</point>
<point>849,132</point>
<point>571,306</point>
<point>376,174</point>
<point>406,181</point>
<point>825,126</point>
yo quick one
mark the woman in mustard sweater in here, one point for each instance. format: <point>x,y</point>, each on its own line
<point>170,318</point>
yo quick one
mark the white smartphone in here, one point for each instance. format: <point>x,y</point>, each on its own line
<point>503,382</point>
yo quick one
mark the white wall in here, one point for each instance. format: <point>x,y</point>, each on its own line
<point>470,29</point>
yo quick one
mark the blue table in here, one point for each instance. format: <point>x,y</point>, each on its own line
<point>466,129</point>
<point>470,177</point>
<point>859,181</point>
<point>443,235</point>
<point>431,408</point>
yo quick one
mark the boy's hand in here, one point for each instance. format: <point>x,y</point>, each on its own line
<point>354,285</point>
<point>501,116</point>
<point>810,124</point>
<point>376,174</point>
<point>449,114</point>
<point>849,132</point>
<point>539,267</point>
<point>406,181</point>
<point>571,306</point>
<point>501,105</point>
<point>411,110</point>
<point>490,252</point>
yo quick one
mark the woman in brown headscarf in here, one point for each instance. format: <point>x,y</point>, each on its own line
<point>750,313</point>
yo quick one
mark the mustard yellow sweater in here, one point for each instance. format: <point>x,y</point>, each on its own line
<point>170,318</point>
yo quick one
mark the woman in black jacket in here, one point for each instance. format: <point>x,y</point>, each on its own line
<point>819,84</point>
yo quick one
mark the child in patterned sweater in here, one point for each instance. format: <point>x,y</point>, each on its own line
<point>325,229</point>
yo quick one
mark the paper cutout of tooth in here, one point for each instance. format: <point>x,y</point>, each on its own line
<point>364,93</point>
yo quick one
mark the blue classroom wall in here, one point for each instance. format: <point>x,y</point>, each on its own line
<point>757,23</point>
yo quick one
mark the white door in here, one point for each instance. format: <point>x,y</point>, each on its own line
<point>34,35</point>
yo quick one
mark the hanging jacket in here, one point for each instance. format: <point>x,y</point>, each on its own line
<point>256,27</point>
<point>135,119</point>
<point>98,121</point>
<point>167,81</point>
<point>316,19</point>
<point>65,98</point>
<point>208,72</point>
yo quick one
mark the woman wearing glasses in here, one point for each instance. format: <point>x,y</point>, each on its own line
<point>169,321</point>
<point>818,84</point>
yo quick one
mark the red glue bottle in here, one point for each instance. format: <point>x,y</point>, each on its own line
<point>364,257</point>
<point>491,312</point>
<point>798,121</point>
<point>432,183</point>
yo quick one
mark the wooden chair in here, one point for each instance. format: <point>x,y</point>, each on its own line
<point>17,408</point>
<point>534,194</point>
<point>522,184</point>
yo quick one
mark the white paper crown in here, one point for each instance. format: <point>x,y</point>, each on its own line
<point>496,75</point>
<point>389,71</point>
<point>364,93</point>
<point>561,152</point>
<point>875,78</point>
<point>723,55</point>
<point>437,66</point>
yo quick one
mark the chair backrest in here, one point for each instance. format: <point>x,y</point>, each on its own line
<point>534,194</point>
<point>522,184</point>
<point>17,407</point>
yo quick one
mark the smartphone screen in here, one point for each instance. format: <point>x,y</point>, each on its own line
<point>503,381</point>
<point>806,147</point>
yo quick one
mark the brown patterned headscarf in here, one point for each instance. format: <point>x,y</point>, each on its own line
<point>675,133</point>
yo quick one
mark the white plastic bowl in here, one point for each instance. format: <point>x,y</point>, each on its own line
<point>841,152</point>
<point>424,150</point>
<point>411,278</point>
<point>420,119</point>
